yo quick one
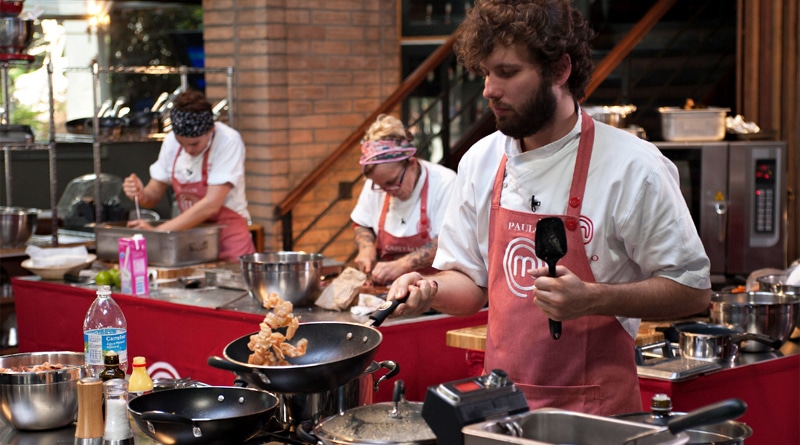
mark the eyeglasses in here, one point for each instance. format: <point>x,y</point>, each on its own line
<point>392,186</point>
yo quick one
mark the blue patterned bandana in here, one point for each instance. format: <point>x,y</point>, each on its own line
<point>191,124</point>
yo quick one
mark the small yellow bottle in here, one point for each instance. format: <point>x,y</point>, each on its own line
<point>139,382</point>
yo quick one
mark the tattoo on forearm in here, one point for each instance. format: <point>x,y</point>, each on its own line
<point>364,237</point>
<point>423,257</point>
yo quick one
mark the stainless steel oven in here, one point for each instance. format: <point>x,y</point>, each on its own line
<point>736,192</point>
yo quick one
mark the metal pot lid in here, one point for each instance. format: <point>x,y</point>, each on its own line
<point>398,422</point>
<point>726,432</point>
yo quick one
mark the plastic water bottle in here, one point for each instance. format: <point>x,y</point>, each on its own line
<point>104,329</point>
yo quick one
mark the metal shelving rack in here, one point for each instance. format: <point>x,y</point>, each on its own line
<point>181,71</point>
<point>50,146</point>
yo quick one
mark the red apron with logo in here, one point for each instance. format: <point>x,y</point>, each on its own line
<point>234,236</point>
<point>591,368</point>
<point>391,247</point>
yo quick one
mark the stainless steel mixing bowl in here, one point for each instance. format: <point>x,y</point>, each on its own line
<point>294,276</point>
<point>40,400</point>
<point>17,225</point>
<point>15,35</point>
<point>767,313</point>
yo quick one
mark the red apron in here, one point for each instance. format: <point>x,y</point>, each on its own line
<point>234,236</point>
<point>591,368</point>
<point>392,247</point>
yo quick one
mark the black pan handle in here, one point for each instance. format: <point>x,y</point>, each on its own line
<point>393,368</point>
<point>383,311</point>
<point>716,413</point>
<point>221,363</point>
<point>770,341</point>
<point>305,433</point>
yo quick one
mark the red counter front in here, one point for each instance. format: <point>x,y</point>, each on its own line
<point>180,338</point>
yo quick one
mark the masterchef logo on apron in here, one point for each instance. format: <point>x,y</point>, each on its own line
<point>520,257</point>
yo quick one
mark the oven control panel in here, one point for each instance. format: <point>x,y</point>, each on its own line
<point>765,196</point>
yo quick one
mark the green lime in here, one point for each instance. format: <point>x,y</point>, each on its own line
<point>103,278</point>
<point>115,277</point>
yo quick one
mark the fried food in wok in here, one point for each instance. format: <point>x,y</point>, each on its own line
<point>270,347</point>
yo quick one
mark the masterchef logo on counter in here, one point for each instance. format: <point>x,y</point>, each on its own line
<point>163,370</point>
<point>520,257</point>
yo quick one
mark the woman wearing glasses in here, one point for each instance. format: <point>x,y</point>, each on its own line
<point>401,208</point>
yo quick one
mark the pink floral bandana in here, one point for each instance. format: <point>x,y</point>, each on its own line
<point>380,152</point>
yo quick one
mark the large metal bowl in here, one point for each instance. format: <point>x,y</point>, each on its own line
<point>40,400</point>
<point>17,225</point>
<point>294,276</point>
<point>15,35</point>
<point>767,313</point>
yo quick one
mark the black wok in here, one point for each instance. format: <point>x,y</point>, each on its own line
<point>337,353</point>
<point>203,415</point>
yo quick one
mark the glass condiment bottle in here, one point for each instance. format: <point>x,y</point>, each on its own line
<point>118,427</point>
<point>139,382</point>
<point>112,369</point>
<point>104,329</point>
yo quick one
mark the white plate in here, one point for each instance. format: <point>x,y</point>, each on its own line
<point>57,273</point>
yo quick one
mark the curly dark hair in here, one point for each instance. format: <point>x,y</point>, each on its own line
<point>192,100</point>
<point>547,28</point>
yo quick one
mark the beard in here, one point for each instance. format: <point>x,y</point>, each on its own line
<point>535,114</point>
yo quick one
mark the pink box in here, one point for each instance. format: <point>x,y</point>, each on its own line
<point>133,265</point>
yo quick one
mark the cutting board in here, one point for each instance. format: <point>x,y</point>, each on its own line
<point>474,337</point>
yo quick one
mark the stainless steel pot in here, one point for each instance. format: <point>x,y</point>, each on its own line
<point>614,115</point>
<point>765,313</point>
<point>389,423</point>
<point>17,225</point>
<point>296,408</point>
<point>704,341</point>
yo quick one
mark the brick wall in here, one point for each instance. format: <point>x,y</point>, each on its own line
<point>306,75</point>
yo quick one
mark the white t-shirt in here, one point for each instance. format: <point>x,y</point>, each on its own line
<point>225,165</point>
<point>402,216</point>
<point>636,223</point>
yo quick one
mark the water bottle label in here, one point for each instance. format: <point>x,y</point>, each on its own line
<point>99,341</point>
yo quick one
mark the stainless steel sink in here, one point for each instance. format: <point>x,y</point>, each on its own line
<point>553,426</point>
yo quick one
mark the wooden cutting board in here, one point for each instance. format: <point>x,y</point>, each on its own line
<point>474,337</point>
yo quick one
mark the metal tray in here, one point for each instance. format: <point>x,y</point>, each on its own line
<point>173,248</point>
<point>555,426</point>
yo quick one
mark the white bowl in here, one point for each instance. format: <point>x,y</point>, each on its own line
<point>57,273</point>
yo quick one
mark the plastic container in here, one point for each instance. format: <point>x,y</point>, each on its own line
<point>696,125</point>
<point>139,382</point>
<point>104,329</point>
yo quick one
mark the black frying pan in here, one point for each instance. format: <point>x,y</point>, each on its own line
<point>337,353</point>
<point>203,415</point>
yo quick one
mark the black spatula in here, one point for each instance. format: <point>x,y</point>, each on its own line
<point>551,246</point>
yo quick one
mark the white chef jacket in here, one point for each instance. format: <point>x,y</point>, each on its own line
<point>403,216</point>
<point>634,219</point>
<point>225,164</point>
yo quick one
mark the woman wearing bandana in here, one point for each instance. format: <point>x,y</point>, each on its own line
<point>401,208</point>
<point>203,161</point>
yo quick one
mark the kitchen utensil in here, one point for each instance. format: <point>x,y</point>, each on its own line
<point>297,408</point>
<point>556,426</point>
<point>40,400</point>
<point>294,276</point>
<point>680,125</point>
<point>200,244</point>
<point>718,412</point>
<point>58,272</point>
<point>17,225</point>
<point>203,415</point>
<point>109,128</point>
<point>614,115</point>
<point>136,204</point>
<point>15,35</point>
<point>337,352</point>
<point>388,423</point>
<point>114,112</point>
<point>159,101</point>
<point>729,432</point>
<point>21,134</point>
<point>704,341</point>
<point>766,313</point>
<point>551,246</point>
